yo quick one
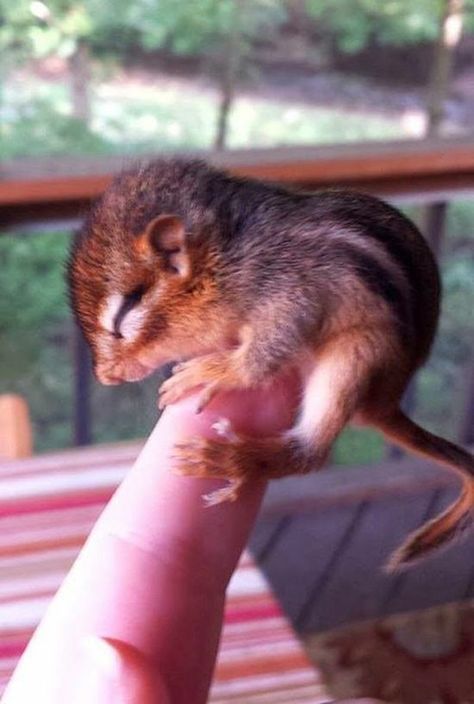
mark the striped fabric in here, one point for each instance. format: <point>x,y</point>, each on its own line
<point>48,504</point>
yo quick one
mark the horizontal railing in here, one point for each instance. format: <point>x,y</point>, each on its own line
<point>35,193</point>
<point>55,189</point>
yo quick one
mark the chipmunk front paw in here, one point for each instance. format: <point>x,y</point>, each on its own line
<point>211,372</point>
<point>184,379</point>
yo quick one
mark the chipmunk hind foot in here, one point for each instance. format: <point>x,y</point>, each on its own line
<point>238,458</point>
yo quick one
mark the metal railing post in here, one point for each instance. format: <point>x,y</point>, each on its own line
<point>82,425</point>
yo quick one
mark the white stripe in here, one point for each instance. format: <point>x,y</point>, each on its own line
<point>264,624</point>
<point>23,614</point>
<point>246,582</point>
<point>265,641</point>
<point>315,694</point>
<point>28,539</point>
<point>242,684</point>
<point>257,650</point>
<point>41,486</point>
<point>24,566</point>
<point>29,586</point>
<point>112,305</point>
<point>99,455</point>
<point>7,664</point>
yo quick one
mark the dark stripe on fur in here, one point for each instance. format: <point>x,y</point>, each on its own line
<point>379,281</point>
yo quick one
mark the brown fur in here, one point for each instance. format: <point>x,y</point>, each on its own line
<point>239,279</point>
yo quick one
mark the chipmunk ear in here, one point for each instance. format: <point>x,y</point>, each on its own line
<point>165,235</point>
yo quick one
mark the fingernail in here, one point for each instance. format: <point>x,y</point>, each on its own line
<point>107,658</point>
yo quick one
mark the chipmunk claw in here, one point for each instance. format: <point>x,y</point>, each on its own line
<point>224,429</point>
<point>206,396</point>
<point>185,377</point>
<point>177,385</point>
<point>199,457</point>
<point>202,457</point>
<point>166,397</point>
<point>227,493</point>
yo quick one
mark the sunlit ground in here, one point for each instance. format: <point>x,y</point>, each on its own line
<point>169,114</point>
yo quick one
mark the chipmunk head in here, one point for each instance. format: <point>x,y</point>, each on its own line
<point>142,284</point>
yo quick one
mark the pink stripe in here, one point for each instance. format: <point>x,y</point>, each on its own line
<point>31,594</point>
<point>73,459</point>
<point>41,521</point>
<point>236,615</point>
<point>13,649</point>
<point>65,501</point>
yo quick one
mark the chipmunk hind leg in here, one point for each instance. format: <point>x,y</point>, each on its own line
<point>333,389</point>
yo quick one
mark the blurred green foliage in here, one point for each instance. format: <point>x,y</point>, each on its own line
<point>35,327</point>
<point>199,26</point>
<point>37,27</point>
<point>36,351</point>
<point>354,24</point>
<point>36,120</point>
<point>35,128</point>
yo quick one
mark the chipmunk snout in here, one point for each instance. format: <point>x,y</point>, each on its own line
<point>118,372</point>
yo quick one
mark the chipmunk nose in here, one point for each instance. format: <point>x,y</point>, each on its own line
<point>107,375</point>
<point>113,374</point>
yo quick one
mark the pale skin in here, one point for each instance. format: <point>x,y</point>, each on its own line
<point>138,618</point>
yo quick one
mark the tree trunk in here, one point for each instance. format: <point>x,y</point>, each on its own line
<point>298,16</point>
<point>450,30</point>
<point>232,65</point>
<point>80,78</point>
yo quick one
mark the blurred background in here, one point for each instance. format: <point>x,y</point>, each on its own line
<point>83,78</point>
<point>366,93</point>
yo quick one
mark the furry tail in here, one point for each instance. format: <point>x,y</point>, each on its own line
<point>459,516</point>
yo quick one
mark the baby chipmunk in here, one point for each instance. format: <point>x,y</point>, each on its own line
<point>237,280</point>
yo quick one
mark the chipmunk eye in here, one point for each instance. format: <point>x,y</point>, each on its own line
<point>129,302</point>
<point>134,296</point>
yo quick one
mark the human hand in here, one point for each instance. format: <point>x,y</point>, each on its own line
<point>138,618</point>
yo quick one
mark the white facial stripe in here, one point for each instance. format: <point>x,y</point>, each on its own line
<point>112,306</point>
<point>132,323</point>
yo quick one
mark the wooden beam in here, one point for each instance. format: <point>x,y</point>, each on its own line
<point>54,189</point>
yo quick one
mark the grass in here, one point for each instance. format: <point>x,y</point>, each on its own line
<point>171,115</point>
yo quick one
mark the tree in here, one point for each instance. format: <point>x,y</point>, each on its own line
<point>39,29</point>
<point>65,28</point>
<point>221,32</point>
<point>450,25</point>
<point>355,24</point>
<point>233,57</point>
